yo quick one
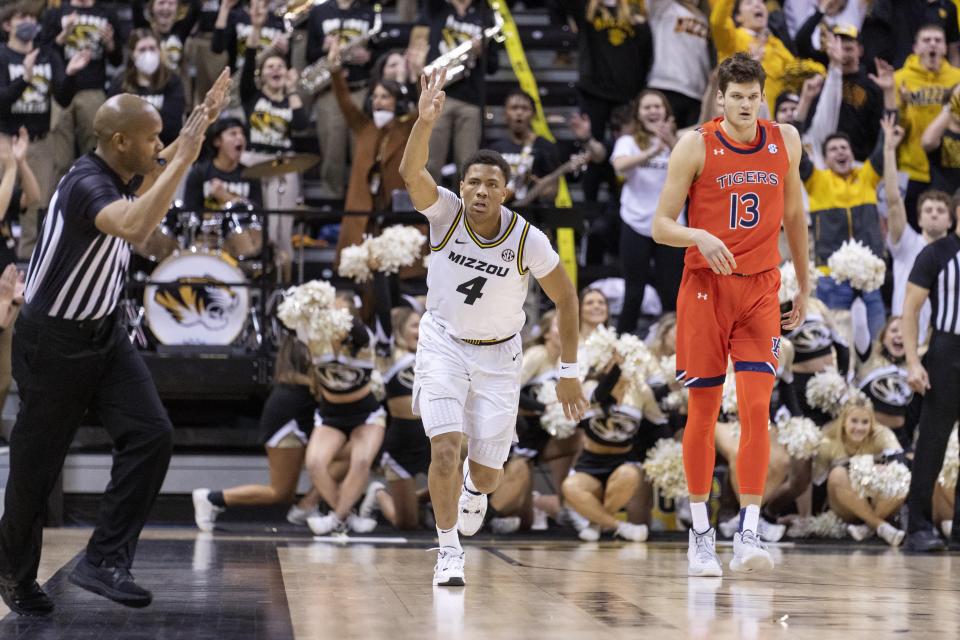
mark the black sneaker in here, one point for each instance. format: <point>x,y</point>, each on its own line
<point>924,541</point>
<point>26,599</point>
<point>114,583</point>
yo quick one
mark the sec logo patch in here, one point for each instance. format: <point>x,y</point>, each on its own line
<point>508,255</point>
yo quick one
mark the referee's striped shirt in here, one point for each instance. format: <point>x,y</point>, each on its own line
<point>77,272</point>
<point>937,269</point>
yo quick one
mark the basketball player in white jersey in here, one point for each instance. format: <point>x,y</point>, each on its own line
<point>467,372</point>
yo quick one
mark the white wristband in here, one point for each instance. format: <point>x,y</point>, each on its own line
<point>569,370</point>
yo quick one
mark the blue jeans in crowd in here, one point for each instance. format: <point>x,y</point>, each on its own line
<point>840,295</point>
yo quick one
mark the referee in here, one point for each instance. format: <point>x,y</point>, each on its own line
<point>71,353</point>
<point>936,270</point>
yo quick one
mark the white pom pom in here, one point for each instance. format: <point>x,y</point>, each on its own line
<point>637,361</point>
<point>377,387</point>
<point>948,474</point>
<point>355,262</point>
<point>398,246</point>
<point>552,419</point>
<point>664,467</point>
<point>825,525</point>
<point>879,481</point>
<point>675,400</point>
<point>308,310</point>
<point>828,391</point>
<point>853,262</point>
<point>800,436</point>
<point>597,350</point>
<point>788,280</point>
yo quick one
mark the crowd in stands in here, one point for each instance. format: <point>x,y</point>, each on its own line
<point>872,85</point>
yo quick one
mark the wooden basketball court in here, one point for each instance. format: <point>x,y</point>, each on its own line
<point>274,585</point>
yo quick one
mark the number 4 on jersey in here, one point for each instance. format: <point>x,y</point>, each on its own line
<point>749,217</point>
<point>472,289</point>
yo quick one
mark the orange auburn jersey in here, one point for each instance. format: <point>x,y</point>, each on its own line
<point>738,196</point>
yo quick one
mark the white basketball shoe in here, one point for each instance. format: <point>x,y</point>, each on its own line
<point>448,571</point>
<point>749,553</point>
<point>205,512</point>
<point>472,508</point>
<point>702,559</point>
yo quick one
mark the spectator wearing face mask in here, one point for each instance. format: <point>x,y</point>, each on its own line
<point>923,82</point>
<point>147,76</point>
<point>380,131</point>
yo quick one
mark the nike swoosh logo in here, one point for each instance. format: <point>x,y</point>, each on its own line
<point>459,242</point>
<point>515,357</point>
<point>564,368</point>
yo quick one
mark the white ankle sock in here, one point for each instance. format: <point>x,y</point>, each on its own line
<point>701,519</point>
<point>449,538</point>
<point>750,518</point>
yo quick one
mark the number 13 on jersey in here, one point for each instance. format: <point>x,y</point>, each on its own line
<point>744,210</point>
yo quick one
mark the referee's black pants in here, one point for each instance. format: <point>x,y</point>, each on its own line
<point>939,412</point>
<point>63,368</point>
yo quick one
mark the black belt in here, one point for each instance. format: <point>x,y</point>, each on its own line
<point>85,328</point>
<point>487,343</point>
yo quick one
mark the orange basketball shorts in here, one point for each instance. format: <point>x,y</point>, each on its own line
<point>720,316</point>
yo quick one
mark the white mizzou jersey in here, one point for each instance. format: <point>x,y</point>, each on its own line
<point>476,287</point>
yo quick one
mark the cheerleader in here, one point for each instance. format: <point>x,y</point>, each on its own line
<point>594,312</point>
<point>856,432</point>
<point>605,478</point>
<point>285,428</point>
<point>348,413</point>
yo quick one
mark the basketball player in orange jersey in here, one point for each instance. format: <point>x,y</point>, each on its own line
<point>742,178</point>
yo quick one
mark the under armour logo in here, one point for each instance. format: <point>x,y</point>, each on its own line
<point>701,295</point>
<point>718,152</point>
<point>776,348</point>
<point>772,148</point>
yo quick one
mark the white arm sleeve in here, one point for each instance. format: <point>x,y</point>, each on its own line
<point>442,213</point>
<point>827,115</point>
<point>538,256</point>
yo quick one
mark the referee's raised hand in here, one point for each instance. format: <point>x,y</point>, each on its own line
<point>191,136</point>
<point>218,96</point>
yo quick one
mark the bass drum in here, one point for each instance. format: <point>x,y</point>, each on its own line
<point>200,301</point>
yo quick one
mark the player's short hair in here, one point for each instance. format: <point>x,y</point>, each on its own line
<point>517,92</point>
<point>489,157</point>
<point>836,135</point>
<point>740,68</point>
<point>20,8</point>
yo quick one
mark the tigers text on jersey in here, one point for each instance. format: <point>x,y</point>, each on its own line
<point>476,288</point>
<point>738,196</point>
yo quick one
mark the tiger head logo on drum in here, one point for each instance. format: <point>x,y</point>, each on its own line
<point>202,301</point>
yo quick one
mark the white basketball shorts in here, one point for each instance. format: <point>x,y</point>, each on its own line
<point>474,389</point>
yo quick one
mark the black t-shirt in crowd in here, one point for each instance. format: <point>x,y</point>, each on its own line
<point>172,42</point>
<point>77,271</point>
<point>28,105</point>
<point>233,39</point>
<point>271,122</point>
<point>860,110</point>
<point>614,55</point>
<point>448,30</point>
<point>937,269</point>
<point>198,191</point>
<point>329,19</point>
<point>168,100</point>
<point>85,35</point>
<point>945,163</point>
<point>208,15</point>
<point>537,159</point>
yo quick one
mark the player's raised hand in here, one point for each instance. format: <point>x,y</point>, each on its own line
<point>432,95</point>
<point>719,258</point>
<point>570,395</point>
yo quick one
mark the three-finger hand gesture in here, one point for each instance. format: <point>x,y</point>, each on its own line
<point>432,95</point>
